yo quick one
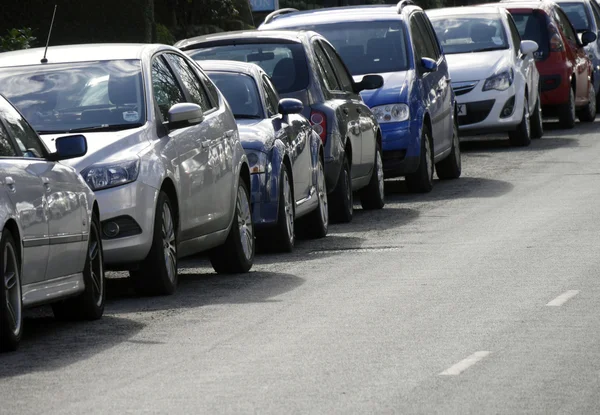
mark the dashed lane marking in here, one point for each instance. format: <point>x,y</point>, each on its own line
<point>464,364</point>
<point>563,298</point>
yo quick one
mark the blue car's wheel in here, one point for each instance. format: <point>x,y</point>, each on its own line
<point>317,222</point>
<point>282,237</point>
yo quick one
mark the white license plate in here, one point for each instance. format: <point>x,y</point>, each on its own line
<point>462,110</point>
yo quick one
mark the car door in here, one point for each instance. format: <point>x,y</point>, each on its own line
<point>20,180</point>
<point>524,64</point>
<point>295,138</point>
<point>595,46</point>
<point>346,113</point>
<point>365,118</point>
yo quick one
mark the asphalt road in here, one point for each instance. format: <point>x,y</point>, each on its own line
<point>480,297</point>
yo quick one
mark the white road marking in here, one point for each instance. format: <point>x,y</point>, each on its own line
<point>464,364</point>
<point>563,298</point>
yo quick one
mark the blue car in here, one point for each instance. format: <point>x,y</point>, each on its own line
<point>415,107</point>
<point>284,153</point>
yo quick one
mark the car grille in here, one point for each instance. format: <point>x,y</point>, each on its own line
<point>476,112</point>
<point>461,88</point>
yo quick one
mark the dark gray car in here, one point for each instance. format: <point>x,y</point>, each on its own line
<point>305,66</point>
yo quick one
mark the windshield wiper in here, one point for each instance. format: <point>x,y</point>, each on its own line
<point>487,49</point>
<point>51,131</point>
<point>247,116</point>
<point>105,127</point>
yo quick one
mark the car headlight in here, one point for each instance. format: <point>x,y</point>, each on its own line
<point>391,113</point>
<point>103,176</point>
<point>499,82</point>
<point>257,161</point>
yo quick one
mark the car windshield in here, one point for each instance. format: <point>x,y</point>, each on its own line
<point>577,14</point>
<point>367,47</point>
<point>285,63</point>
<point>467,34</point>
<point>533,26</point>
<point>241,92</point>
<point>82,96</point>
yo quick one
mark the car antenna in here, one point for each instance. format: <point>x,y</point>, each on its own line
<point>44,60</point>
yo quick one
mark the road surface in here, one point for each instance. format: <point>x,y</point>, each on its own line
<point>480,297</point>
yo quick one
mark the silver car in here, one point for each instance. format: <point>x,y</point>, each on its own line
<point>164,159</point>
<point>50,244</point>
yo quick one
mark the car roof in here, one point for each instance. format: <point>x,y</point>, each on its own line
<point>572,1</point>
<point>80,53</point>
<point>529,4</point>
<point>470,10</point>
<point>337,14</point>
<point>246,68</point>
<point>289,36</point>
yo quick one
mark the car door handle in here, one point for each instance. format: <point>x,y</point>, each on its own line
<point>10,183</point>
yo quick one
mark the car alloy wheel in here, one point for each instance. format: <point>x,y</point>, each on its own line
<point>170,248</point>
<point>527,118</point>
<point>96,265</point>
<point>428,159</point>
<point>456,144</point>
<point>288,206</point>
<point>244,219</point>
<point>12,288</point>
<point>322,194</point>
<point>380,176</point>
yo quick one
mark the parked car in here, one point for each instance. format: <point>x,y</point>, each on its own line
<point>285,154</point>
<point>415,106</point>
<point>585,17</point>
<point>45,257</point>
<point>165,160</point>
<point>493,72</point>
<point>564,67</point>
<point>303,65</point>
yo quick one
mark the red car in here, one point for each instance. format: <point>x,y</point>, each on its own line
<point>565,69</point>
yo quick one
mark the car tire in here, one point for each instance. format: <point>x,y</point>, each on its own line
<point>421,181</point>
<point>89,305</point>
<point>341,203</point>
<point>537,123</point>
<point>281,238</point>
<point>588,113</point>
<point>451,167</point>
<point>236,255</point>
<point>521,137</point>
<point>317,222</point>
<point>157,275</point>
<point>567,112</point>
<point>11,304</point>
<point>373,196</point>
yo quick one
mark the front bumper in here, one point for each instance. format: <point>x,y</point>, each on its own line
<point>137,201</point>
<point>401,145</point>
<point>264,200</point>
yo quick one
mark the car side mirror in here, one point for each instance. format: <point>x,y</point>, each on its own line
<point>69,147</point>
<point>528,46</point>
<point>185,115</point>
<point>588,37</point>
<point>290,106</point>
<point>369,82</point>
<point>429,65</point>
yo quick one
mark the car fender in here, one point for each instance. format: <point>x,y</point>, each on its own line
<point>316,146</point>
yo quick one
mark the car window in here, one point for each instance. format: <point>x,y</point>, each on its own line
<point>431,42</point>
<point>577,14</point>
<point>470,33</point>
<point>596,13</point>
<point>339,67</point>
<point>6,147</point>
<point>211,88</point>
<point>565,25</point>
<point>271,95</point>
<point>532,25</point>
<point>27,139</point>
<point>514,34</point>
<point>241,93</point>
<point>165,87</point>
<point>325,67</point>
<point>190,81</point>
<point>417,40</point>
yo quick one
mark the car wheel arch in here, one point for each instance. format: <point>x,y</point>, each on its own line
<point>427,123</point>
<point>169,188</point>
<point>288,164</point>
<point>12,226</point>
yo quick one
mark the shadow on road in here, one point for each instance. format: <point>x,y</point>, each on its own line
<point>463,188</point>
<point>49,345</point>
<point>377,220</point>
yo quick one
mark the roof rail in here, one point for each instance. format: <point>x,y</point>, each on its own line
<point>402,4</point>
<point>279,12</point>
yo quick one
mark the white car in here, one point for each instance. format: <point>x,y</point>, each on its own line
<point>493,72</point>
<point>50,244</point>
<point>165,159</point>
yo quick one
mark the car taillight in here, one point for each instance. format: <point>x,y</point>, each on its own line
<point>556,43</point>
<point>319,124</point>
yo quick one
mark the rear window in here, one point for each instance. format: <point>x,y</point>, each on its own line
<point>578,15</point>
<point>532,25</point>
<point>285,63</point>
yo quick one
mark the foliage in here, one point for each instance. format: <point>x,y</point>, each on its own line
<point>17,39</point>
<point>164,35</point>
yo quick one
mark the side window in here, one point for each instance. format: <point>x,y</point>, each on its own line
<point>514,34</point>
<point>339,67</point>
<point>271,96</point>
<point>27,139</point>
<point>190,81</point>
<point>565,25</point>
<point>433,45</point>
<point>6,146</point>
<point>331,82</point>
<point>418,41</point>
<point>165,87</point>
<point>212,89</point>
<point>596,13</point>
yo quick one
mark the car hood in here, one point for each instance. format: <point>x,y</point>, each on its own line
<point>105,146</point>
<point>477,66</point>
<point>256,134</point>
<point>394,89</point>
